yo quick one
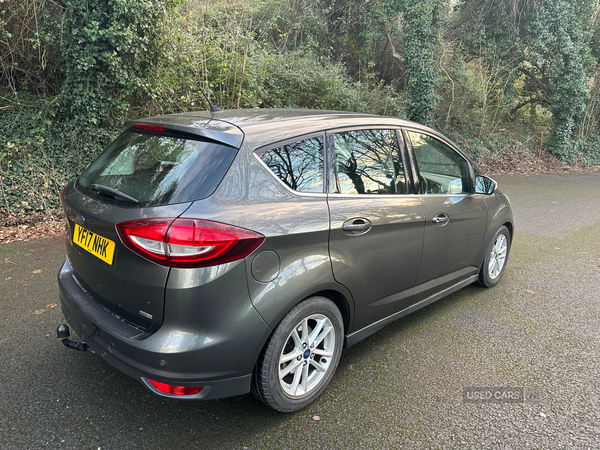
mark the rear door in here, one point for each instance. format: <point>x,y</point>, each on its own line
<point>376,230</point>
<point>455,218</point>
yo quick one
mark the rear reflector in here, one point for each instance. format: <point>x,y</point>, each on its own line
<point>188,242</point>
<point>176,390</point>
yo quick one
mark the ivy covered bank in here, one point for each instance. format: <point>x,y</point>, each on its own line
<point>506,79</point>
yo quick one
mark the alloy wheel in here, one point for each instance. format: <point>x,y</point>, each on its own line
<point>497,256</point>
<point>307,355</point>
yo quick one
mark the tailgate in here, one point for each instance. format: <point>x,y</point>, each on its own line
<point>128,285</point>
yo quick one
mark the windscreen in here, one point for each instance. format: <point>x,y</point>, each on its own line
<point>139,170</point>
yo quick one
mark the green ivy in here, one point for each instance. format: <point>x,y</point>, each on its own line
<point>420,38</point>
<point>540,55</point>
<point>40,155</point>
<point>108,47</point>
<point>558,50</point>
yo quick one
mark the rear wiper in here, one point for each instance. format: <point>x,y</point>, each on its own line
<point>113,192</point>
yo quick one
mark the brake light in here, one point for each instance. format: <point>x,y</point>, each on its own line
<point>146,238</point>
<point>188,242</point>
<point>62,194</point>
<point>149,127</point>
<point>176,390</point>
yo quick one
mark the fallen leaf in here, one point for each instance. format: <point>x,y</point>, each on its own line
<point>529,291</point>
<point>51,305</point>
<point>39,311</point>
<point>9,278</point>
<point>316,418</point>
<point>37,271</point>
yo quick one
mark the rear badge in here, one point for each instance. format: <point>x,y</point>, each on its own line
<point>145,314</point>
<point>79,219</point>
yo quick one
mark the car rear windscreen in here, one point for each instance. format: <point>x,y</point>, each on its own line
<point>156,170</point>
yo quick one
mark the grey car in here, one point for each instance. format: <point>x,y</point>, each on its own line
<point>214,254</point>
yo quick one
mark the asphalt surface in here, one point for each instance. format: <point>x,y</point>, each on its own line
<point>538,330</point>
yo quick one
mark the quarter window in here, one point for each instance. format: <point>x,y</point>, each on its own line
<point>369,162</point>
<point>441,169</point>
<point>299,165</point>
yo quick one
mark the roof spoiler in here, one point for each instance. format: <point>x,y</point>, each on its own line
<point>231,136</point>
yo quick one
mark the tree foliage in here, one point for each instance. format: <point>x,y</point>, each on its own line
<point>540,49</point>
<point>27,62</point>
<point>496,75</point>
<point>108,47</point>
<point>420,26</point>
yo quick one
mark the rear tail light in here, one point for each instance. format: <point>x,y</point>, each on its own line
<point>188,242</point>
<point>176,390</point>
<point>62,194</point>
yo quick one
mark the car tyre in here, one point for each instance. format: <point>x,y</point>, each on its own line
<point>495,259</point>
<point>301,356</point>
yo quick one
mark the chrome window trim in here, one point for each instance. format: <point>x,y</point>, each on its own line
<point>340,195</point>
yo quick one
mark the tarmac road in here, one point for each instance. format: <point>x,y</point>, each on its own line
<point>539,330</point>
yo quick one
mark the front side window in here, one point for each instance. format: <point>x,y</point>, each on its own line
<point>441,169</point>
<point>369,162</point>
<point>299,165</point>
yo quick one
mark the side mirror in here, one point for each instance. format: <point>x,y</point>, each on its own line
<point>484,185</point>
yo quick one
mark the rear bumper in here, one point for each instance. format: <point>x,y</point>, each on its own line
<point>183,352</point>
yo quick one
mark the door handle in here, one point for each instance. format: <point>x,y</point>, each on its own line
<point>358,226</point>
<point>440,219</point>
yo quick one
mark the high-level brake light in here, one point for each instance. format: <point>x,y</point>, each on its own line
<point>149,127</point>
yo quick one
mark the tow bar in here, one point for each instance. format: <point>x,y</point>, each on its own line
<point>63,333</point>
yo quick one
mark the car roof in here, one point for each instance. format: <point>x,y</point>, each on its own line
<point>263,126</point>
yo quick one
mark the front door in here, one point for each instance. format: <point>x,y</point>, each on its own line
<point>455,219</point>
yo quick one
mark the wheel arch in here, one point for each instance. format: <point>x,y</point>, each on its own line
<point>267,382</point>
<point>342,303</point>
<point>510,227</point>
<point>499,214</point>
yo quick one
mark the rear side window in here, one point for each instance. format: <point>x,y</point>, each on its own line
<point>299,165</point>
<point>369,162</point>
<point>157,170</point>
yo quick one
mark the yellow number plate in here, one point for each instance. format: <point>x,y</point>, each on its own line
<point>95,244</point>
